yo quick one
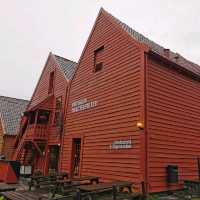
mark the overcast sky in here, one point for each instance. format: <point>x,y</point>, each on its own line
<point>30,29</point>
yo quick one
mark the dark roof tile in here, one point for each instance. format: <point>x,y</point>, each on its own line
<point>11,110</point>
<point>67,66</point>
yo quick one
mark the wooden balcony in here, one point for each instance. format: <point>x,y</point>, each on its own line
<point>36,132</point>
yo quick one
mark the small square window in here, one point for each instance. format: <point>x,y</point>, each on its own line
<point>98,67</point>
<point>58,103</point>
<point>51,83</point>
<point>98,59</point>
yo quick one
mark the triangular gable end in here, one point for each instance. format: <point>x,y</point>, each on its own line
<point>51,62</point>
<point>110,18</point>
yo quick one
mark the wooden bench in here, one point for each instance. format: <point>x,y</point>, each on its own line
<point>112,191</point>
<point>120,185</point>
<point>192,188</point>
<point>24,195</point>
<point>91,179</point>
<point>5,187</point>
<point>66,186</point>
<point>62,175</point>
<point>103,191</point>
<point>43,181</point>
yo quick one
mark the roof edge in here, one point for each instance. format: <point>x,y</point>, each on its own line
<point>14,98</point>
<point>179,67</point>
<point>55,60</point>
<point>64,58</point>
<point>113,19</point>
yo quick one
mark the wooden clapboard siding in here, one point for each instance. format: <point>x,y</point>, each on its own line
<point>41,93</point>
<point>41,99</point>
<point>173,112</point>
<point>41,90</point>
<point>118,90</point>
<point>8,146</point>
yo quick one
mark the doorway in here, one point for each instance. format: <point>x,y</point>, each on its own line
<point>76,155</point>
<point>54,152</point>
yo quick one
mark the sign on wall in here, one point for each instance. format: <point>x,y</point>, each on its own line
<point>83,104</point>
<point>122,144</point>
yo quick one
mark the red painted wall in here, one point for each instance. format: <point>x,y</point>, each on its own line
<point>128,91</point>
<point>118,91</point>
<point>40,99</point>
<point>173,113</point>
<point>41,93</point>
<point>8,146</point>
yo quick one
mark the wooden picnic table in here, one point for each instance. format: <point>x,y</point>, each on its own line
<point>45,181</point>
<point>106,186</point>
<point>67,185</point>
<point>24,195</point>
<point>91,179</point>
<point>76,181</point>
<point>110,191</point>
<point>6,187</point>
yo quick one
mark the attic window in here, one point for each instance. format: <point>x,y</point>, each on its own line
<point>98,59</point>
<point>51,83</point>
<point>58,103</point>
<point>58,116</point>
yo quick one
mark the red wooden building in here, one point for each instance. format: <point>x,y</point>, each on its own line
<point>133,111</point>
<point>11,110</point>
<point>40,137</point>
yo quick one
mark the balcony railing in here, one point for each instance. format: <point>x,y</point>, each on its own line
<point>36,132</point>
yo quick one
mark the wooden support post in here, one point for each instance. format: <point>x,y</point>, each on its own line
<point>198,163</point>
<point>78,195</point>
<point>114,192</point>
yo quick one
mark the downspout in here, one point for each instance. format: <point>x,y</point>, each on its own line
<point>146,128</point>
<point>64,119</point>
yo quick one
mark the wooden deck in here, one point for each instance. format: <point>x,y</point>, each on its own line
<point>5,187</point>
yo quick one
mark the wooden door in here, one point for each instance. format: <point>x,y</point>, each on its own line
<point>76,156</point>
<point>53,158</point>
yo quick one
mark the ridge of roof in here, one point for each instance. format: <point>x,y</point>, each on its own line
<point>13,98</point>
<point>66,59</point>
<point>67,66</point>
<point>156,48</point>
<point>10,111</point>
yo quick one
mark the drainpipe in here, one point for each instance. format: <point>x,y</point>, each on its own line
<point>146,184</point>
<point>64,119</point>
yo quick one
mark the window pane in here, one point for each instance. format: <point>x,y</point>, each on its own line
<point>43,117</point>
<point>58,103</point>
<point>98,59</point>
<point>51,82</point>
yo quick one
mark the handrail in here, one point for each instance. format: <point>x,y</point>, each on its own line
<point>38,131</point>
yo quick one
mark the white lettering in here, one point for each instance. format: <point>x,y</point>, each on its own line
<point>121,144</point>
<point>83,104</point>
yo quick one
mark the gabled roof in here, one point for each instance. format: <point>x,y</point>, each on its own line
<point>156,48</point>
<point>11,110</point>
<point>67,66</point>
